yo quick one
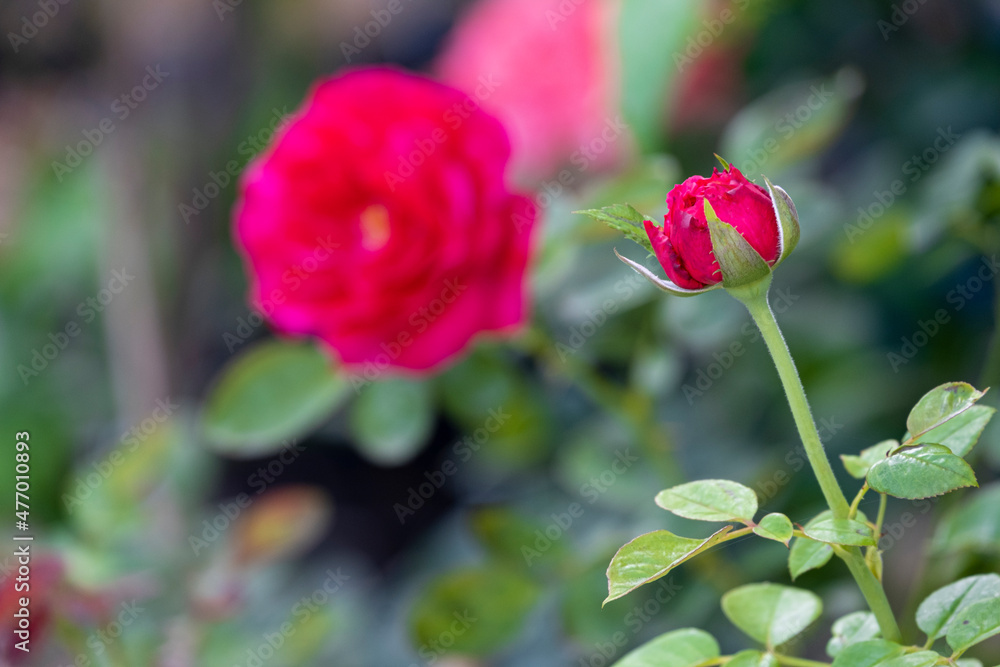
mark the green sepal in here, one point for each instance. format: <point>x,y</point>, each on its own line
<point>739,263</point>
<point>788,220</point>
<point>662,283</point>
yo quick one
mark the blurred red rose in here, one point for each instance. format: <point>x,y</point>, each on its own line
<point>379,221</point>
<point>683,245</point>
<point>708,89</point>
<point>547,69</point>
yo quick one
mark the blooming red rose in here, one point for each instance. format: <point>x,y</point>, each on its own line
<point>548,70</point>
<point>684,246</point>
<point>379,221</point>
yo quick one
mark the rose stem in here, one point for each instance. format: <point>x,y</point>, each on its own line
<point>755,299</point>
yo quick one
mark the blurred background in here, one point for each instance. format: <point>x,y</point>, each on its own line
<point>277,516</point>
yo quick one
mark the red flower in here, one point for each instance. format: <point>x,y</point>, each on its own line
<point>379,221</point>
<point>683,245</point>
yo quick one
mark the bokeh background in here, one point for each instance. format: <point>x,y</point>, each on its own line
<point>466,518</point>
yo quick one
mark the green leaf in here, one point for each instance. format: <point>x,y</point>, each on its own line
<point>974,624</point>
<point>868,654</point>
<point>960,434</point>
<point>751,132</point>
<point>920,471</point>
<point>861,626</point>
<point>508,537</point>
<point>753,659</point>
<point>939,405</point>
<point>651,556</point>
<point>274,392</point>
<point>918,659</point>
<point>392,419</point>
<point>739,262</point>
<point>841,531</point>
<point>858,466</point>
<point>974,525</point>
<point>969,662</point>
<point>807,554</point>
<point>770,613</point>
<point>625,219</point>
<point>680,648</point>
<point>710,500</point>
<point>880,653</point>
<point>650,33</point>
<point>775,526</point>
<point>788,220</point>
<point>486,391</point>
<point>481,610</point>
<point>937,613</point>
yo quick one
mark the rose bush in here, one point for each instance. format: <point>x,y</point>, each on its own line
<point>379,221</point>
<point>683,244</point>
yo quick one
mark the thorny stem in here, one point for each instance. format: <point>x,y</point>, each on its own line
<point>754,297</point>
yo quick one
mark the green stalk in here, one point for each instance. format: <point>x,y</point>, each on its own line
<point>760,311</point>
<point>754,297</point>
<point>798,662</point>
<point>874,594</point>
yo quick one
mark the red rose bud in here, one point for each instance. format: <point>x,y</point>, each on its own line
<point>693,241</point>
